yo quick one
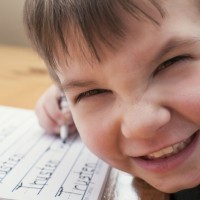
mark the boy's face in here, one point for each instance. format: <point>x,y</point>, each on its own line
<point>139,109</point>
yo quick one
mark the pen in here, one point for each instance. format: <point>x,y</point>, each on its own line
<point>64,108</point>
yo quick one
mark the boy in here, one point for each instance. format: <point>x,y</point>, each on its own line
<point>130,72</point>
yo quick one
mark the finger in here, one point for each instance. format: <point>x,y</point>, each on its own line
<point>68,118</point>
<point>72,128</point>
<point>50,101</point>
<point>48,123</point>
<point>45,120</point>
<point>53,110</point>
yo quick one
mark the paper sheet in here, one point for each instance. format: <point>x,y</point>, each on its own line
<point>36,165</point>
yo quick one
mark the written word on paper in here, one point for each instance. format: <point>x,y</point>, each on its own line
<point>35,165</point>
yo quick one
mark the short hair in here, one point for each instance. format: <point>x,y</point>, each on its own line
<point>49,24</point>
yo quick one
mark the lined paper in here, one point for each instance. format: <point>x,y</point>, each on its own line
<point>36,165</point>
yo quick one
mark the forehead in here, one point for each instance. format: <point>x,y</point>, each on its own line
<point>138,32</point>
<point>106,28</point>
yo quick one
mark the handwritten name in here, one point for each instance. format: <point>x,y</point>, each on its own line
<point>82,182</point>
<point>7,165</point>
<point>42,177</point>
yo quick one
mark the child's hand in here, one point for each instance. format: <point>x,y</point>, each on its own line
<point>49,114</point>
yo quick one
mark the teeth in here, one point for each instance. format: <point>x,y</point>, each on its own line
<point>168,151</point>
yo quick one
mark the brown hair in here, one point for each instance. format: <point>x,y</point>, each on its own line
<point>50,22</point>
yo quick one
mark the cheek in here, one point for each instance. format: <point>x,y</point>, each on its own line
<point>101,132</point>
<point>183,95</point>
<point>188,101</point>
<point>189,105</point>
<point>99,136</point>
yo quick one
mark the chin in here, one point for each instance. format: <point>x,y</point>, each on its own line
<point>176,183</point>
<point>171,188</point>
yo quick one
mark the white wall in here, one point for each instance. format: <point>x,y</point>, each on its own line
<point>11,23</point>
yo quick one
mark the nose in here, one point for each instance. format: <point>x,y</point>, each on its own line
<point>143,120</point>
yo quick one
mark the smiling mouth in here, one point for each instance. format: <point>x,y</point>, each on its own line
<point>170,150</point>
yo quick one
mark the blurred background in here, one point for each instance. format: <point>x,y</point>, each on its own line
<point>23,75</point>
<point>11,23</point>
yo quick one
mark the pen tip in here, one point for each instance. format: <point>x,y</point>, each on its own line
<point>63,141</point>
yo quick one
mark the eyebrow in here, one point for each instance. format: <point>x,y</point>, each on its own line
<point>78,84</point>
<point>170,45</point>
<point>175,43</point>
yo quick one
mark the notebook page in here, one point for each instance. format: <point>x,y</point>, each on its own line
<point>36,165</point>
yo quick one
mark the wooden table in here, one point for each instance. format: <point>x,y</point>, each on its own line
<point>23,78</point>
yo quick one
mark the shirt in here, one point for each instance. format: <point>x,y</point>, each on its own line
<point>189,194</point>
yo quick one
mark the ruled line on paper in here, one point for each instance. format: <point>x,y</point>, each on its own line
<point>36,166</point>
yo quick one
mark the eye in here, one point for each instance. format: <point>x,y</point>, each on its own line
<point>171,62</point>
<point>90,93</point>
